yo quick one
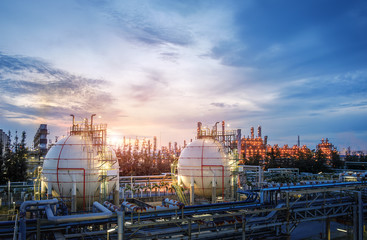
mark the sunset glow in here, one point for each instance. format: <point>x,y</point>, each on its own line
<point>156,68</point>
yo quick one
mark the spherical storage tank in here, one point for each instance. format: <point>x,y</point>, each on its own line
<point>204,162</point>
<point>75,162</point>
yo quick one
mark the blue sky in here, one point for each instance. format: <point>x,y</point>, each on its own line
<point>155,68</point>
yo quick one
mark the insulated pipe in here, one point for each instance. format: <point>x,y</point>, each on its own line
<point>27,204</point>
<point>100,207</point>
<point>312,186</point>
<point>105,213</point>
<point>135,208</point>
<point>161,208</point>
<point>111,206</point>
<point>22,213</point>
<point>173,202</point>
<point>131,206</point>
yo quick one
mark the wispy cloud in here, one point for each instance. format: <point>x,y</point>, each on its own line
<point>152,27</point>
<point>32,87</point>
<point>223,105</point>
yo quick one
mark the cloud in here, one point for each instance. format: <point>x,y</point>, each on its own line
<point>170,56</point>
<point>148,24</point>
<point>223,105</point>
<point>291,67</point>
<point>31,87</point>
<point>153,86</point>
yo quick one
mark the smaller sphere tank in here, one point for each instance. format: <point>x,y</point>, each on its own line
<point>204,162</point>
<point>76,164</point>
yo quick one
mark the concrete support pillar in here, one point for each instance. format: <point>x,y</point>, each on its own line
<point>214,190</point>
<point>49,190</point>
<point>192,191</point>
<point>73,198</point>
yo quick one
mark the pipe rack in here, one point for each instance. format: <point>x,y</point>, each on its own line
<point>238,219</point>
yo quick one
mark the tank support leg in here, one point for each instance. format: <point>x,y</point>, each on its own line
<point>192,192</point>
<point>73,198</point>
<point>116,195</point>
<point>214,191</point>
<point>327,229</point>
<point>49,190</point>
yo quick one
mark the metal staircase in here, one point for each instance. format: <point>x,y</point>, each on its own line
<point>178,189</point>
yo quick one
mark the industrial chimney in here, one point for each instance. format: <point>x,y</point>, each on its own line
<point>259,131</point>
<point>199,130</point>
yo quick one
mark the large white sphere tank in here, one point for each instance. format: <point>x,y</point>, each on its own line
<point>75,160</point>
<point>204,162</point>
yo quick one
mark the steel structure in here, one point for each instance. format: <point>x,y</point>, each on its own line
<point>277,214</point>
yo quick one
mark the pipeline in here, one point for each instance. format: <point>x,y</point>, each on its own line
<point>105,213</point>
<point>26,204</point>
<point>168,201</point>
<point>111,206</point>
<point>23,210</point>
<point>317,185</point>
<point>135,208</point>
<point>250,196</point>
<point>130,206</point>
